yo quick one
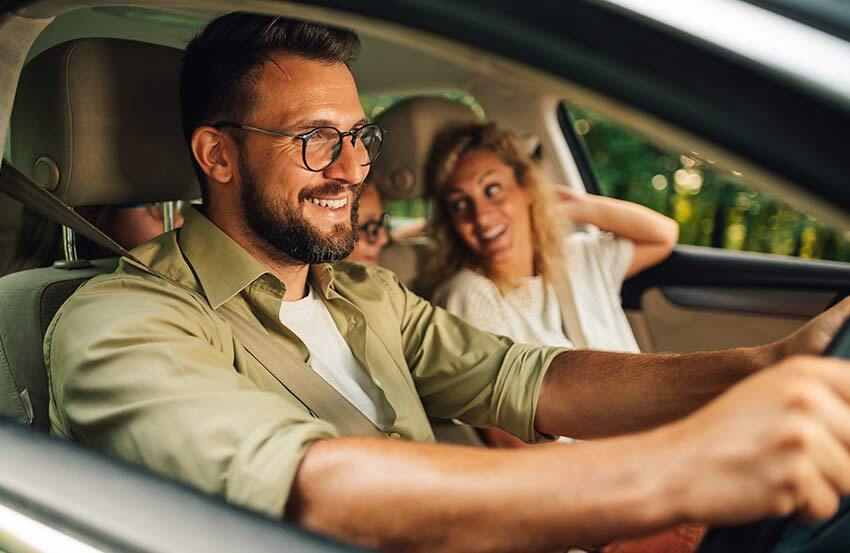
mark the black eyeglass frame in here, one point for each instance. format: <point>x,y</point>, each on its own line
<point>371,236</point>
<point>305,137</point>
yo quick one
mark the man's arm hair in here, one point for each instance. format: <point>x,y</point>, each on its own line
<point>776,444</point>
<point>590,394</point>
<point>412,497</point>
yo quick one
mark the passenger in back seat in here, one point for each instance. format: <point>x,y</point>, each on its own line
<point>373,227</point>
<point>503,236</point>
<point>38,240</point>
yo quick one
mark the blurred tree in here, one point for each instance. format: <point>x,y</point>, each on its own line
<point>713,207</point>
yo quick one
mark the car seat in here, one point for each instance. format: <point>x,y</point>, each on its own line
<point>399,172</point>
<point>96,122</point>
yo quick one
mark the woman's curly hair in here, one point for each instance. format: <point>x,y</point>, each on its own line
<point>451,254</point>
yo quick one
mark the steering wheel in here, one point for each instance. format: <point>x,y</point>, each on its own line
<point>790,535</point>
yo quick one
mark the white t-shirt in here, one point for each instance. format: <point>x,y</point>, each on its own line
<point>310,320</point>
<point>595,268</point>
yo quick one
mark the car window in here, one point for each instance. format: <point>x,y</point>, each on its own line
<point>713,207</point>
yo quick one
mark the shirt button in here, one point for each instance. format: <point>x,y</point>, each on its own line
<point>394,435</point>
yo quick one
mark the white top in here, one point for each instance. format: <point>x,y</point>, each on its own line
<point>595,268</point>
<point>330,356</point>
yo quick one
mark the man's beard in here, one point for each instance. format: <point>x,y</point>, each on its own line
<point>284,227</point>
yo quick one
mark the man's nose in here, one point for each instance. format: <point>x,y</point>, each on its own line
<point>347,168</point>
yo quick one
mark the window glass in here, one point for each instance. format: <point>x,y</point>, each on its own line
<point>406,212</point>
<point>713,207</point>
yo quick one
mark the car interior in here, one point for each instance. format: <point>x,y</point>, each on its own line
<point>95,121</point>
<point>105,131</point>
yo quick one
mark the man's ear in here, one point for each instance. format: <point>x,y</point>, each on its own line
<point>214,152</point>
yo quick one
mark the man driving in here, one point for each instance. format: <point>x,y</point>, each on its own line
<point>148,372</point>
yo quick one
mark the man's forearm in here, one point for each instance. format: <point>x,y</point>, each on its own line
<point>591,394</point>
<point>397,496</point>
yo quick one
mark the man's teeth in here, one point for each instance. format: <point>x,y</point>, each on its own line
<point>493,232</point>
<point>332,204</point>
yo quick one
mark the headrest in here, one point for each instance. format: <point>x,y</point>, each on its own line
<point>97,122</point>
<point>411,125</point>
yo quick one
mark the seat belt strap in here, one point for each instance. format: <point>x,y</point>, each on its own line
<point>569,313</point>
<point>300,379</point>
<point>322,399</point>
<point>20,187</point>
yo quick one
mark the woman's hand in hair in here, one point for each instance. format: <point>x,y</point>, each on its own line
<point>653,234</point>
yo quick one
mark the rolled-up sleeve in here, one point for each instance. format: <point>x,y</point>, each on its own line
<point>464,373</point>
<point>151,379</point>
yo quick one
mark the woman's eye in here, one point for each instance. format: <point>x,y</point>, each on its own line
<point>456,206</point>
<point>492,190</point>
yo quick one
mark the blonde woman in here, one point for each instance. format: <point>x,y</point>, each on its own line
<point>503,235</point>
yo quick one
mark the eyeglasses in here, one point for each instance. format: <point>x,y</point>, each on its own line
<point>320,147</point>
<point>371,230</point>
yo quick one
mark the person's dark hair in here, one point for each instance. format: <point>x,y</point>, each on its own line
<point>219,74</point>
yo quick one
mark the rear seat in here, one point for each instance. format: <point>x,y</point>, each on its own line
<point>399,172</point>
<point>96,122</point>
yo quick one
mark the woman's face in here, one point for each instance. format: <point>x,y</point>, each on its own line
<point>489,210</point>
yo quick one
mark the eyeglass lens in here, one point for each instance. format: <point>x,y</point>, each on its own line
<point>323,146</point>
<point>371,230</point>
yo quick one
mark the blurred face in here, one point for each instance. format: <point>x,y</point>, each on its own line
<point>307,216</point>
<point>372,228</point>
<point>131,226</point>
<point>489,211</point>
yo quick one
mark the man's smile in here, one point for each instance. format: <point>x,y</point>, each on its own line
<point>331,203</point>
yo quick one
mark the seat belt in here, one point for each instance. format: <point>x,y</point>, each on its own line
<point>569,313</point>
<point>322,399</point>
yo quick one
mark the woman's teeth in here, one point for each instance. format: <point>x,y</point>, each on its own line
<point>494,232</point>
<point>331,204</point>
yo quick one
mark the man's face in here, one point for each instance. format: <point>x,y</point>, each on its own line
<point>307,216</point>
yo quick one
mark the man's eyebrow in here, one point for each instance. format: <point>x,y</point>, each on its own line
<point>313,123</point>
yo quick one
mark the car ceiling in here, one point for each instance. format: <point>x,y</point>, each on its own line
<point>382,66</point>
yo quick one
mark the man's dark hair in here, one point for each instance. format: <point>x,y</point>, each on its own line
<point>219,72</point>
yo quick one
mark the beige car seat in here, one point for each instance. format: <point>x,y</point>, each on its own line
<point>399,172</point>
<point>96,122</point>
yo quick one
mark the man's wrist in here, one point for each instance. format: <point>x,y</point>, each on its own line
<point>666,503</point>
<point>770,354</point>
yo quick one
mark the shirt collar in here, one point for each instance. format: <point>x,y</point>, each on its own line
<point>222,266</point>
<point>322,277</point>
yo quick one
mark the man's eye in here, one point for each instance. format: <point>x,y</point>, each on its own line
<point>456,206</point>
<point>492,190</point>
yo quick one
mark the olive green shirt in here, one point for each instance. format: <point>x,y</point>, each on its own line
<point>148,372</point>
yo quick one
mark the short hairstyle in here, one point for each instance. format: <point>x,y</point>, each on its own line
<point>219,72</point>
<point>451,254</point>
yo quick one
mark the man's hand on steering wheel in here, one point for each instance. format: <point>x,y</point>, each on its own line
<point>815,336</point>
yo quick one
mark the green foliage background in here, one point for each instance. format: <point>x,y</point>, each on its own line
<point>713,208</point>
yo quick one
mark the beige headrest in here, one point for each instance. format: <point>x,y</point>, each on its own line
<point>97,122</point>
<point>411,125</point>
